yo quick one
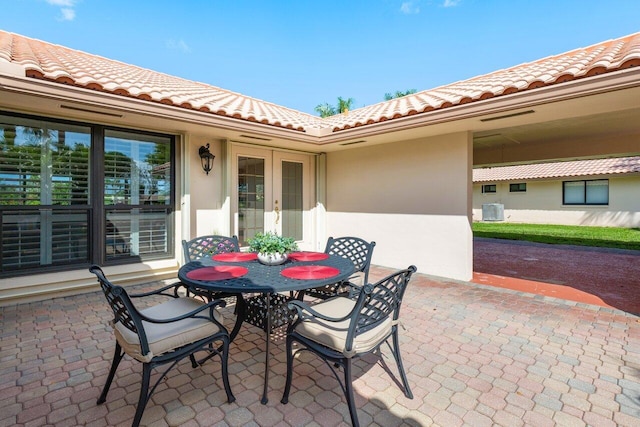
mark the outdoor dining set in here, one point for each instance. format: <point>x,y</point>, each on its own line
<point>324,300</point>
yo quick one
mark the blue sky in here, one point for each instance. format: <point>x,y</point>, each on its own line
<point>303,53</point>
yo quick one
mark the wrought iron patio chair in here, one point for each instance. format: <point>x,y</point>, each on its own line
<point>341,329</point>
<point>357,250</point>
<point>204,246</point>
<point>207,246</point>
<point>162,334</point>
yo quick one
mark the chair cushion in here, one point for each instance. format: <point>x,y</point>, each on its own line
<point>334,334</point>
<point>165,337</point>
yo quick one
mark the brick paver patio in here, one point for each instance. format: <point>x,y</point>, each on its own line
<point>475,356</point>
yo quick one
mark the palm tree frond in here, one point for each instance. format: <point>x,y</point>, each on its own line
<point>325,110</point>
<point>398,94</point>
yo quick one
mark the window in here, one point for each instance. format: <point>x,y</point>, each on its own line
<point>489,188</point>
<point>518,188</point>
<point>56,209</point>
<point>137,194</point>
<point>590,192</point>
<point>44,193</point>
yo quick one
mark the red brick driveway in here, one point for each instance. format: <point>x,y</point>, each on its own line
<point>600,276</point>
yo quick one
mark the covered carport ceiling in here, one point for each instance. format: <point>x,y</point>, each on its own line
<point>598,118</point>
<point>609,134</point>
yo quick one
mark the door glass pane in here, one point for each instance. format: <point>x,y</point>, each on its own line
<point>292,200</point>
<point>250,197</point>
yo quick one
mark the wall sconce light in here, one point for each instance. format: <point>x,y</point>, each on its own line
<point>206,158</point>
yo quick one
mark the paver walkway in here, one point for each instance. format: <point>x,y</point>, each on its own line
<point>475,355</point>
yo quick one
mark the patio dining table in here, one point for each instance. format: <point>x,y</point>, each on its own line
<point>241,274</point>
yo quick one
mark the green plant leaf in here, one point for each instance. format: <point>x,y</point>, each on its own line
<point>271,243</point>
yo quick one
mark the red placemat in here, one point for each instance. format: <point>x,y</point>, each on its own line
<point>219,272</point>
<point>235,257</point>
<point>308,256</point>
<point>310,272</point>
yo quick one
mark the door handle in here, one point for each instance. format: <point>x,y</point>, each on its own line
<point>277,210</point>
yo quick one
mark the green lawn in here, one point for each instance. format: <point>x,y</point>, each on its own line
<point>608,237</point>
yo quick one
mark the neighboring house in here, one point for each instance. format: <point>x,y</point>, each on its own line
<point>100,161</point>
<point>601,192</point>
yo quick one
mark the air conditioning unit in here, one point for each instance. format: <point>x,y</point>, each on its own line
<point>493,212</point>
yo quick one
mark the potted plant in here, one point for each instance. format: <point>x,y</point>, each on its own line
<point>271,248</point>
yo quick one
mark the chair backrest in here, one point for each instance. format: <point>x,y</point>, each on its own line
<point>204,246</point>
<point>123,309</point>
<point>377,302</point>
<point>359,251</point>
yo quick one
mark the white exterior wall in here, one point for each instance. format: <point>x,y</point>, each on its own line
<point>207,197</point>
<point>542,203</point>
<point>412,198</point>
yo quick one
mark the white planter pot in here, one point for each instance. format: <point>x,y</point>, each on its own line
<point>272,259</point>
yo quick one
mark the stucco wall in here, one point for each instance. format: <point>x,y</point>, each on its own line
<point>205,192</point>
<point>542,204</point>
<point>412,198</point>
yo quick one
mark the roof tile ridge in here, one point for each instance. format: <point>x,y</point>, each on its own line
<point>571,52</point>
<point>105,59</point>
<point>629,53</point>
<point>555,57</point>
<point>6,45</point>
<point>23,58</point>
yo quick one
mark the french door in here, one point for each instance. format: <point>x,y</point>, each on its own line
<point>272,191</point>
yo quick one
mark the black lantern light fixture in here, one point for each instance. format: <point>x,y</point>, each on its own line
<point>206,158</point>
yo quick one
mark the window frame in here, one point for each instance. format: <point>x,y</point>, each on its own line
<point>487,187</point>
<point>138,210</point>
<point>518,187</point>
<point>586,187</point>
<point>96,208</point>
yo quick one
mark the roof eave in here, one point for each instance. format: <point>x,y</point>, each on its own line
<point>117,105</point>
<point>559,177</point>
<point>608,82</point>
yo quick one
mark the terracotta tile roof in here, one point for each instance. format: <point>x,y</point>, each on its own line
<point>601,58</point>
<point>612,166</point>
<point>56,63</point>
<point>67,66</point>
